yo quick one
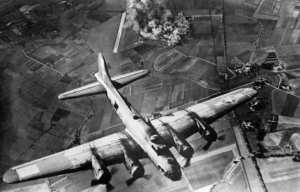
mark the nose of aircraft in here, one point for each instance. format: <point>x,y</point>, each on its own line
<point>11,176</point>
<point>250,92</point>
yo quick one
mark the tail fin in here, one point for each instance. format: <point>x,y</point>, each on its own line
<point>103,76</point>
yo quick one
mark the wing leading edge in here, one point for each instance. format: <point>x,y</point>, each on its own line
<point>108,149</point>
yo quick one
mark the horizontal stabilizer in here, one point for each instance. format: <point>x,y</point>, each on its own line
<point>96,88</point>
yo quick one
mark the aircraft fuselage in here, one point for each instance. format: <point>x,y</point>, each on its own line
<point>147,137</point>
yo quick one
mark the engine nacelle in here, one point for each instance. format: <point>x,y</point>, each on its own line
<point>100,171</point>
<point>181,145</point>
<point>133,165</point>
<point>207,132</point>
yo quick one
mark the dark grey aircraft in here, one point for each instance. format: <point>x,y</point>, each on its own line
<point>141,138</point>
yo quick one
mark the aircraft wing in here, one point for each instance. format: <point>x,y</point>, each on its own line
<point>187,121</point>
<point>109,149</point>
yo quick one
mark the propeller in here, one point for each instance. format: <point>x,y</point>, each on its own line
<point>109,186</point>
<point>147,177</point>
<point>208,144</point>
<point>187,161</point>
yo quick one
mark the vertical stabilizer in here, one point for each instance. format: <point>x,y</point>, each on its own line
<point>103,75</point>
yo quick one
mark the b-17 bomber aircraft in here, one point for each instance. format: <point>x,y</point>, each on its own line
<point>142,138</point>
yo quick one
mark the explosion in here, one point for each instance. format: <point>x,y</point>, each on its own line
<point>152,20</point>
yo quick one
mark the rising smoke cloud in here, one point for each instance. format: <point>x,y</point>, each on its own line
<point>152,20</point>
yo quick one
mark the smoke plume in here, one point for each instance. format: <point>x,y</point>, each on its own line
<point>152,20</point>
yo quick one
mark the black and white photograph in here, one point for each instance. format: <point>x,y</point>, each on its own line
<point>150,95</point>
